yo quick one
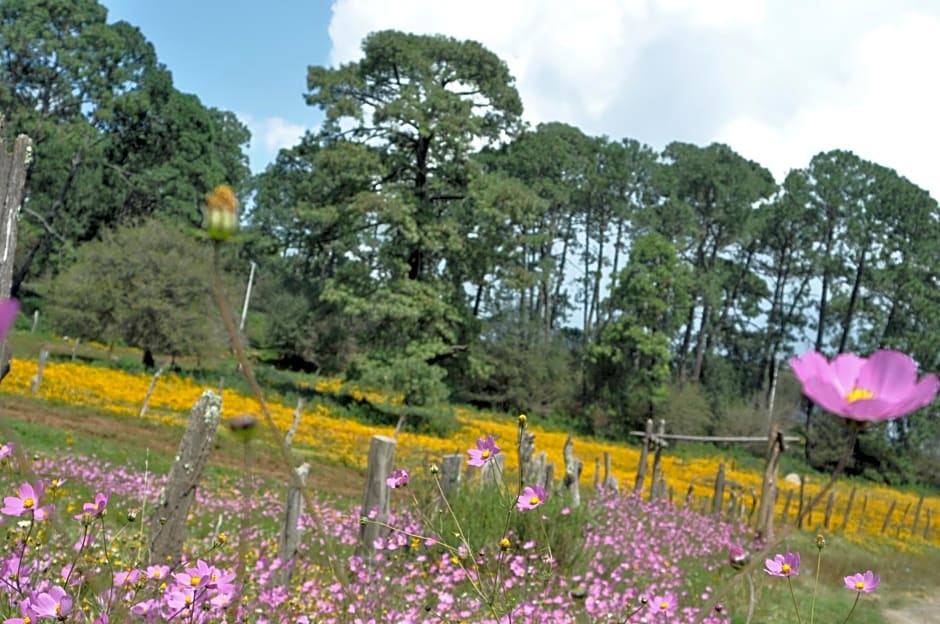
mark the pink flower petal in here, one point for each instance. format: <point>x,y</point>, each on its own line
<point>888,374</point>
<point>845,370</point>
<point>825,393</point>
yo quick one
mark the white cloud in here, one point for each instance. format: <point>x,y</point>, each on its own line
<point>885,110</point>
<point>779,80</point>
<point>268,136</point>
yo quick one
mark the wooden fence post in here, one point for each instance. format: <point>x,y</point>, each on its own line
<point>718,496</point>
<point>916,523</point>
<point>907,508</point>
<point>597,474</point>
<point>13,167</point>
<point>884,525</point>
<point>861,517</point>
<point>786,507</point>
<point>657,458</point>
<point>375,497</point>
<point>290,531</point>
<point>295,422</point>
<point>799,511</point>
<point>169,517</point>
<point>848,510</point>
<point>644,453</point>
<point>526,455</point>
<point>768,496</point>
<point>927,522</point>
<point>573,468</point>
<point>153,386</point>
<point>35,322</point>
<point>450,473</point>
<point>828,515</point>
<point>610,481</point>
<point>37,378</point>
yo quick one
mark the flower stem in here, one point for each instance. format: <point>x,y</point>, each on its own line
<point>795,606</point>
<point>852,610</point>
<point>812,609</point>
<point>758,557</point>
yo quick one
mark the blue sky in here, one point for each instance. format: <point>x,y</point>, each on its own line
<point>245,56</point>
<point>777,80</point>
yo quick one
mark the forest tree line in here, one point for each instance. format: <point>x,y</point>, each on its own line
<point>425,239</point>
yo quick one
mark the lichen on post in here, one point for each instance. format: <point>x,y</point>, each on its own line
<point>168,519</point>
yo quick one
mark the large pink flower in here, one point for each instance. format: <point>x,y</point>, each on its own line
<point>880,387</point>
<point>783,565</point>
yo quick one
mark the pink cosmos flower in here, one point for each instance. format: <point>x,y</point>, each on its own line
<point>26,500</point>
<point>398,478</point>
<point>881,387</point>
<point>95,508</point>
<point>52,604</point>
<point>8,310</point>
<point>6,450</point>
<point>486,449</point>
<point>665,604</point>
<point>531,497</point>
<point>158,572</point>
<point>863,583</point>
<point>783,565</point>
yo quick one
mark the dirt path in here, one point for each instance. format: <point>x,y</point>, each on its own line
<point>923,609</point>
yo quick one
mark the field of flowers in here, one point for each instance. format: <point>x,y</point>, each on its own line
<point>330,437</point>
<point>94,568</point>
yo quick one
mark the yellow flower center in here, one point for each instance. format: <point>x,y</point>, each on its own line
<point>485,454</point>
<point>860,585</point>
<point>58,609</point>
<point>26,619</point>
<point>664,605</point>
<point>28,503</point>
<point>194,580</point>
<point>785,568</point>
<point>859,394</point>
<point>535,500</point>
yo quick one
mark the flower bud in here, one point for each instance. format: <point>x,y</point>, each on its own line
<point>221,212</point>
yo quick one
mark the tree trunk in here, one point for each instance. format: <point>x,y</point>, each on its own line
<point>853,303</point>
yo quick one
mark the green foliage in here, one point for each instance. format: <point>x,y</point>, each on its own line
<point>147,286</point>
<point>631,358</point>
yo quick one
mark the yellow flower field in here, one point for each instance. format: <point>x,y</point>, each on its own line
<point>346,442</point>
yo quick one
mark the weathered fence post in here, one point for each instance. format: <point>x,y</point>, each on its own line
<point>526,454</point>
<point>884,525</point>
<point>37,378</point>
<point>35,322</point>
<point>153,386</point>
<point>289,539</point>
<point>861,516</point>
<point>916,523</point>
<point>799,511</point>
<point>295,422</point>
<point>450,473</point>
<point>75,348</point>
<point>610,481</point>
<point>375,498</point>
<point>573,468</point>
<point>768,493</point>
<point>907,508</point>
<point>848,510</point>
<point>644,454</point>
<point>168,520</point>
<point>786,507</point>
<point>927,523</point>
<point>597,474</point>
<point>13,167</point>
<point>718,496</point>
<point>828,515</point>
<point>657,458</point>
